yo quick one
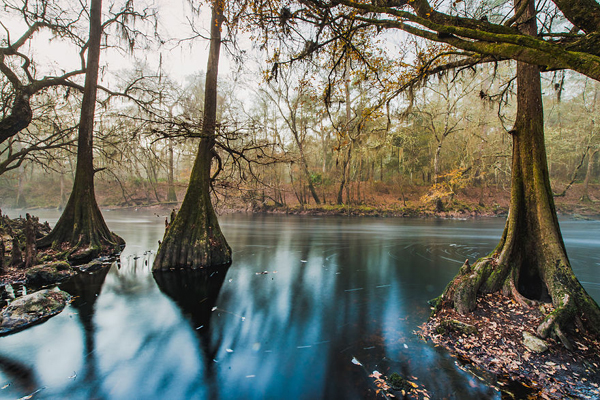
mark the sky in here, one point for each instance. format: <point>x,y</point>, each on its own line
<point>180,59</point>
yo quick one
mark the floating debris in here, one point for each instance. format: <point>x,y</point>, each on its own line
<point>355,361</point>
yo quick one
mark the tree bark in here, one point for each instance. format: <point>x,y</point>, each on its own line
<point>194,239</point>
<point>81,225</point>
<point>436,162</point>
<point>345,173</point>
<point>19,118</point>
<point>530,262</point>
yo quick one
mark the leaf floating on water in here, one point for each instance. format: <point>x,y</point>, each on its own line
<point>355,361</point>
<point>229,350</point>
<point>375,374</point>
<point>29,396</point>
<point>405,346</point>
<point>5,386</point>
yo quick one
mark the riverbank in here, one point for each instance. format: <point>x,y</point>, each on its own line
<point>490,343</point>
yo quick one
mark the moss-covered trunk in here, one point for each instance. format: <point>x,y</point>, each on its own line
<point>81,226</point>
<point>530,262</point>
<point>193,239</point>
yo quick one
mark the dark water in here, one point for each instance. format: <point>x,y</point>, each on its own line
<point>335,289</point>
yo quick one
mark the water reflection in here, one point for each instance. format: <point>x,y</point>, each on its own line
<point>303,296</point>
<point>196,292</point>
<point>85,289</point>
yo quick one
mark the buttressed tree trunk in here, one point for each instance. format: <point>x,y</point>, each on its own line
<point>193,239</point>
<point>530,262</point>
<point>81,226</point>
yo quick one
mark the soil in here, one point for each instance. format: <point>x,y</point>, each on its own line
<point>497,354</point>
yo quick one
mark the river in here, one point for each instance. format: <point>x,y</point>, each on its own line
<point>305,300</point>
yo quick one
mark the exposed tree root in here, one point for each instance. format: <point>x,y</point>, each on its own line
<point>573,308</point>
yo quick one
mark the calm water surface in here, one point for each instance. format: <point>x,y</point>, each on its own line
<point>303,297</point>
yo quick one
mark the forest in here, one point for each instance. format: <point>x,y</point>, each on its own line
<point>386,108</point>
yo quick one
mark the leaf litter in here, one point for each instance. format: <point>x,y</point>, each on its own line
<point>496,352</point>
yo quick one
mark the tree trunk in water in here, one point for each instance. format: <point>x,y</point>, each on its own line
<point>194,239</point>
<point>530,262</point>
<point>171,195</point>
<point>81,224</point>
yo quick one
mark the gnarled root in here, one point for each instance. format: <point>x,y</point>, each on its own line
<point>461,292</point>
<point>557,317</point>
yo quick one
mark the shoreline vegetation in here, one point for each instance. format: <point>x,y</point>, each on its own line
<point>386,201</point>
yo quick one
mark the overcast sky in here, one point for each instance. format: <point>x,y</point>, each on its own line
<point>180,59</point>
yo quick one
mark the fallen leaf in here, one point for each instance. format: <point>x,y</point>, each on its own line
<point>355,361</point>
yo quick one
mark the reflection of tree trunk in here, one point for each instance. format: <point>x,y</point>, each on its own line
<point>19,373</point>
<point>194,239</point>
<point>81,225</point>
<point>195,293</point>
<point>171,195</point>
<point>530,259</point>
<point>85,289</point>
<point>586,182</point>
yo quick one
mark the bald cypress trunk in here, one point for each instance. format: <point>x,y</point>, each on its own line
<point>81,225</point>
<point>194,239</point>
<point>530,263</point>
